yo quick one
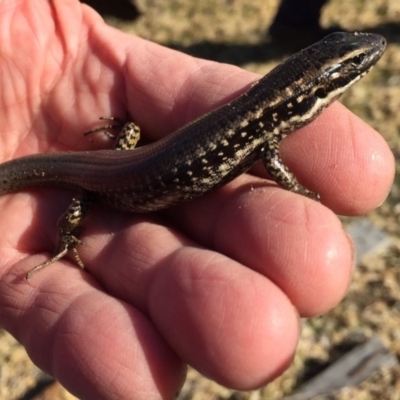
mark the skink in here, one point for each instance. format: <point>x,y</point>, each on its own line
<point>208,152</point>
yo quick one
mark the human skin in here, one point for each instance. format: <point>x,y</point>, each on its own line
<point>219,282</point>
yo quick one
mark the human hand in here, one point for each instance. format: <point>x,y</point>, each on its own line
<point>219,282</point>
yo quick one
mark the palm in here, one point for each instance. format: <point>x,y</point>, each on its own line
<point>39,102</point>
<point>219,286</point>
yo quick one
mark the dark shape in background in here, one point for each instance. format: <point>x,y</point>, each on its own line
<point>241,54</point>
<point>123,9</point>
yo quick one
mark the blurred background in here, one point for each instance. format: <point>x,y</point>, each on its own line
<point>238,32</point>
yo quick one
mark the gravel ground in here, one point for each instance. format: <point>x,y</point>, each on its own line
<point>236,31</point>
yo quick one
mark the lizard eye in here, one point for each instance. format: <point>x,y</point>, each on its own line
<point>358,60</point>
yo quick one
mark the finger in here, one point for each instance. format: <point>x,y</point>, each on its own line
<point>96,346</point>
<point>227,321</point>
<point>343,159</point>
<point>177,88</point>
<point>295,242</point>
<point>337,155</point>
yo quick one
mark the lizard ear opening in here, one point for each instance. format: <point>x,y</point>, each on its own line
<point>320,93</point>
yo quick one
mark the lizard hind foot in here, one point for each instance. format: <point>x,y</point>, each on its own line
<point>69,242</point>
